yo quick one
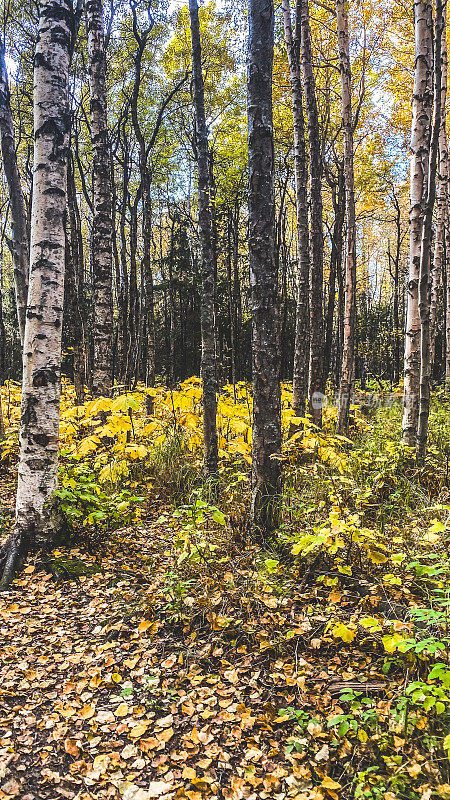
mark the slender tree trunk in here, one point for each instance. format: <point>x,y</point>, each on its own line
<point>102,203</point>
<point>231,309</point>
<point>422,103</point>
<point>396,320</point>
<point>39,427</point>
<point>74,281</point>
<point>148,292</point>
<point>348,354</point>
<point>425,255</point>
<point>266,466</point>
<point>123,333</point>
<point>447,304</point>
<point>335,269</point>
<point>2,339</point>
<point>237,300</point>
<point>317,343</point>
<point>209,379</point>
<point>133,315</point>
<point>171,369</point>
<point>20,240</point>
<point>301,349</point>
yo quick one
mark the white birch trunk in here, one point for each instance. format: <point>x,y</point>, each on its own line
<point>422,104</point>
<point>102,203</point>
<point>39,427</point>
<point>348,353</point>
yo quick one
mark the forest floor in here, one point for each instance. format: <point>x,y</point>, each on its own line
<point>240,674</point>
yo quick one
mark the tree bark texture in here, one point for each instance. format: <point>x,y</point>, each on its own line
<point>266,466</point>
<point>317,343</point>
<point>20,235</point>
<point>39,427</point>
<point>348,353</point>
<point>102,203</point>
<point>425,254</point>
<point>208,367</point>
<point>422,104</point>
<point>301,349</point>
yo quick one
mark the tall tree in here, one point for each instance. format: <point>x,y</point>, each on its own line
<point>301,349</point>
<point>348,354</point>
<point>442,203</point>
<point>425,253</point>
<point>422,103</point>
<point>208,367</point>
<point>317,343</point>
<point>20,236</point>
<point>102,203</point>
<point>39,427</point>
<point>266,465</point>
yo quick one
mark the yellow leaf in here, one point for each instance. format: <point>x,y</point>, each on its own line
<point>189,773</point>
<point>144,625</point>
<point>370,623</point>
<point>391,642</point>
<point>376,557</point>
<point>139,730</point>
<point>344,632</point>
<point>122,710</point>
<point>329,783</point>
<point>87,712</point>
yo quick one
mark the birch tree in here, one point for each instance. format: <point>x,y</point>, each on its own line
<point>102,202</point>
<point>422,104</point>
<point>266,441</point>
<point>301,350</point>
<point>317,343</point>
<point>348,354</point>
<point>442,202</point>
<point>425,254</point>
<point>208,366</point>
<point>39,426</point>
<point>20,235</point>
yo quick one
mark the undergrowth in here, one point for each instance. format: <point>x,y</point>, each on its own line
<point>352,591</point>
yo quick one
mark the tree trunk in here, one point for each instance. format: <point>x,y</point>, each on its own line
<point>420,138</point>
<point>396,320</point>
<point>102,203</point>
<point>316,382</point>
<point>338,198</point>
<point>348,354</point>
<point>208,369</point>
<point>20,240</point>
<point>266,466</point>
<point>39,426</point>
<point>74,282</point>
<point>301,349</point>
<point>231,309</point>
<point>123,332</point>
<point>425,255</point>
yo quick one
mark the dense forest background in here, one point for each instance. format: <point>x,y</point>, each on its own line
<point>150,106</point>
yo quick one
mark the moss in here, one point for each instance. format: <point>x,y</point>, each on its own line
<point>70,569</point>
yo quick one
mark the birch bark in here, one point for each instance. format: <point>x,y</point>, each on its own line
<point>39,426</point>
<point>425,253</point>
<point>102,203</point>
<point>317,343</point>
<point>348,353</point>
<point>301,349</point>
<point>422,104</point>
<point>20,237</point>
